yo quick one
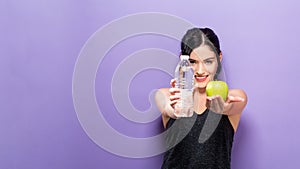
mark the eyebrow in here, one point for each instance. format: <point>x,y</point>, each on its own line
<point>209,58</point>
<point>192,60</point>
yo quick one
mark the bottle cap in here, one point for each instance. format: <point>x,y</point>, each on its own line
<point>184,57</point>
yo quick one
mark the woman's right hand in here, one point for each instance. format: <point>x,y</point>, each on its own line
<point>174,98</point>
<point>166,99</point>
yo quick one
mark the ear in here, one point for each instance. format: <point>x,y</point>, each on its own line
<point>220,56</point>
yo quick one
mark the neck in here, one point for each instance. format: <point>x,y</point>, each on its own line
<point>199,100</point>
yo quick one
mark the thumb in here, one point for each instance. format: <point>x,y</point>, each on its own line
<point>234,99</point>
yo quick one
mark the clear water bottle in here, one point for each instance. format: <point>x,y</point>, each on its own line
<point>184,76</point>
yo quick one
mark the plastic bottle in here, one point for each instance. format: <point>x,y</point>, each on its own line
<point>184,76</point>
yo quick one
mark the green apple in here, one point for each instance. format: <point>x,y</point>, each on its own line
<point>217,88</point>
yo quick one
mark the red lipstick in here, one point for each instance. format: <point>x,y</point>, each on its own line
<point>200,78</point>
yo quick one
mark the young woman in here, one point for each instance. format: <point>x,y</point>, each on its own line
<point>214,119</point>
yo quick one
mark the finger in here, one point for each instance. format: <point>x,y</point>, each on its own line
<point>219,99</point>
<point>174,90</point>
<point>215,104</point>
<point>234,99</point>
<point>220,103</point>
<point>208,103</point>
<point>172,83</point>
<point>173,102</point>
<point>210,98</point>
<point>175,97</point>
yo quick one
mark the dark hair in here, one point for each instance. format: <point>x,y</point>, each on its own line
<point>196,37</point>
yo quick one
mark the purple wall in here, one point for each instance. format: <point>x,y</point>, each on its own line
<point>42,43</point>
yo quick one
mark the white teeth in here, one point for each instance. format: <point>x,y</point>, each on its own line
<point>201,77</point>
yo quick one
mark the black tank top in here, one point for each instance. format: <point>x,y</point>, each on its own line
<point>199,142</point>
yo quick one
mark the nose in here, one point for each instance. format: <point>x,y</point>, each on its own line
<point>200,68</point>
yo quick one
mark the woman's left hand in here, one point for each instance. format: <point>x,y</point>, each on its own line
<point>218,105</point>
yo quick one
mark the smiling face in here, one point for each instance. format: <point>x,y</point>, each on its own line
<point>205,64</point>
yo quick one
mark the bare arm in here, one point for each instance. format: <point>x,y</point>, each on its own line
<point>237,100</point>
<point>234,113</point>
<point>233,107</point>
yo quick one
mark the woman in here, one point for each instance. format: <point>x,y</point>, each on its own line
<point>205,140</point>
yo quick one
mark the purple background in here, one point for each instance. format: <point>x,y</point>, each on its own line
<point>41,40</point>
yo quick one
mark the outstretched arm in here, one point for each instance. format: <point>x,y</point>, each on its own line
<point>233,106</point>
<point>166,99</point>
<point>165,103</point>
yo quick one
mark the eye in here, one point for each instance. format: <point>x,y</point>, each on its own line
<point>192,61</point>
<point>208,62</point>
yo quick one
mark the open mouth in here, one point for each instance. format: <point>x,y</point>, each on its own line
<point>201,78</point>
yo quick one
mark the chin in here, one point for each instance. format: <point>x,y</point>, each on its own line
<point>200,85</point>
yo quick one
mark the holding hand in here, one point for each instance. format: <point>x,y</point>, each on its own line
<point>166,99</point>
<point>174,99</point>
<point>218,105</point>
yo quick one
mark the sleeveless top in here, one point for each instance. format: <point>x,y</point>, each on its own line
<point>199,142</point>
